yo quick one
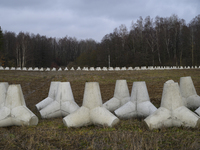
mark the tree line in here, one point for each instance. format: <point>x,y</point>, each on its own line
<point>158,41</point>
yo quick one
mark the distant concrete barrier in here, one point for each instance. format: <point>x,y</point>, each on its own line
<point>99,68</point>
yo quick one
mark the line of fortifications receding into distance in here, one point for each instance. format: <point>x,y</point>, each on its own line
<point>98,68</point>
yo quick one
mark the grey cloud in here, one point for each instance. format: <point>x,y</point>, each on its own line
<point>87,18</point>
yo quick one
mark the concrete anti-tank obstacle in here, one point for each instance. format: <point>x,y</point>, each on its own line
<point>121,96</point>
<point>63,104</point>
<point>172,111</point>
<point>60,69</point>
<point>51,96</point>
<point>14,110</point>
<point>130,68</point>
<point>48,69</point>
<point>188,92</point>
<point>91,112</point>
<point>139,104</point>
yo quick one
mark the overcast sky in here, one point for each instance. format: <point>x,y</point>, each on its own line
<point>85,19</point>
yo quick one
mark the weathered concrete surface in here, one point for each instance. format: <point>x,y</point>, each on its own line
<point>188,92</point>
<point>51,96</point>
<point>14,110</point>
<point>3,91</point>
<point>63,104</point>
<point>172,111</point>
<point>91,112</point>
<point>121,96</point>
<point>139,105</point>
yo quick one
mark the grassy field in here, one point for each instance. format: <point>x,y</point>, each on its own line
<point>128,134</point>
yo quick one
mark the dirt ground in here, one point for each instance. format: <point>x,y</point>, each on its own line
<point>128,134</point>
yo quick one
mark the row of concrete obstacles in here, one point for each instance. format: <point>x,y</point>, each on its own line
<point>98,68</point>
<point>60,102</point>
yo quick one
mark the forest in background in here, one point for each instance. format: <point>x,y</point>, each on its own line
<point>158,41</point>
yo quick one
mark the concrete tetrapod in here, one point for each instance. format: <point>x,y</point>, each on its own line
<point>139,105</point>
<point>63,104</point>
<point>121,96</point>
<point>51,96</point>
<point>91,112</point>
<point>172,111</point>
<point>14,111</point>
<point>188,92</point>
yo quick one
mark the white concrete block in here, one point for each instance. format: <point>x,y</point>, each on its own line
<point>137,68</point>
<point>150,68</point>
<point>24,68</point>
<point>51,96</point>
<point>3,92</point>
<point>48,69</point>
<point>117,69</point>
<point>30,69</point>
<point>100,115</point>
<point>189,93</point>
<point>92,96</point>
<point>121,96</point>
<point>60,69</point>
<point>79,68</point>
<point>92,69</point>
<point>53,69</point>
<point>63,101</point>
<point>172,111</point>
<point>104,68</point>
<point>139,105</point>
<point>98,69</point>
<point>143,68</point>
<point>7,68</point>
<point>91,112</point>
<point>41,69</point>
<point>127,111</point>
<point>14,111</point>
<point>78,118</point>
<point>123,68</point>
<point>110,68</point>
<point>130,68</point>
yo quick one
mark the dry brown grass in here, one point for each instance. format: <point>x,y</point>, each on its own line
<point>128,134</point>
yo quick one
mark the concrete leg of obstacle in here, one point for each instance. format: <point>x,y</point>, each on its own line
<point>14,111</point>
<point>188,92</point>
<point>121,96</point>
<point>63,104</point>
<point>91,112</point>
<point>51,96</point>
<point>172,111</point>
<point>3,91</point>
<point>139,106</point>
